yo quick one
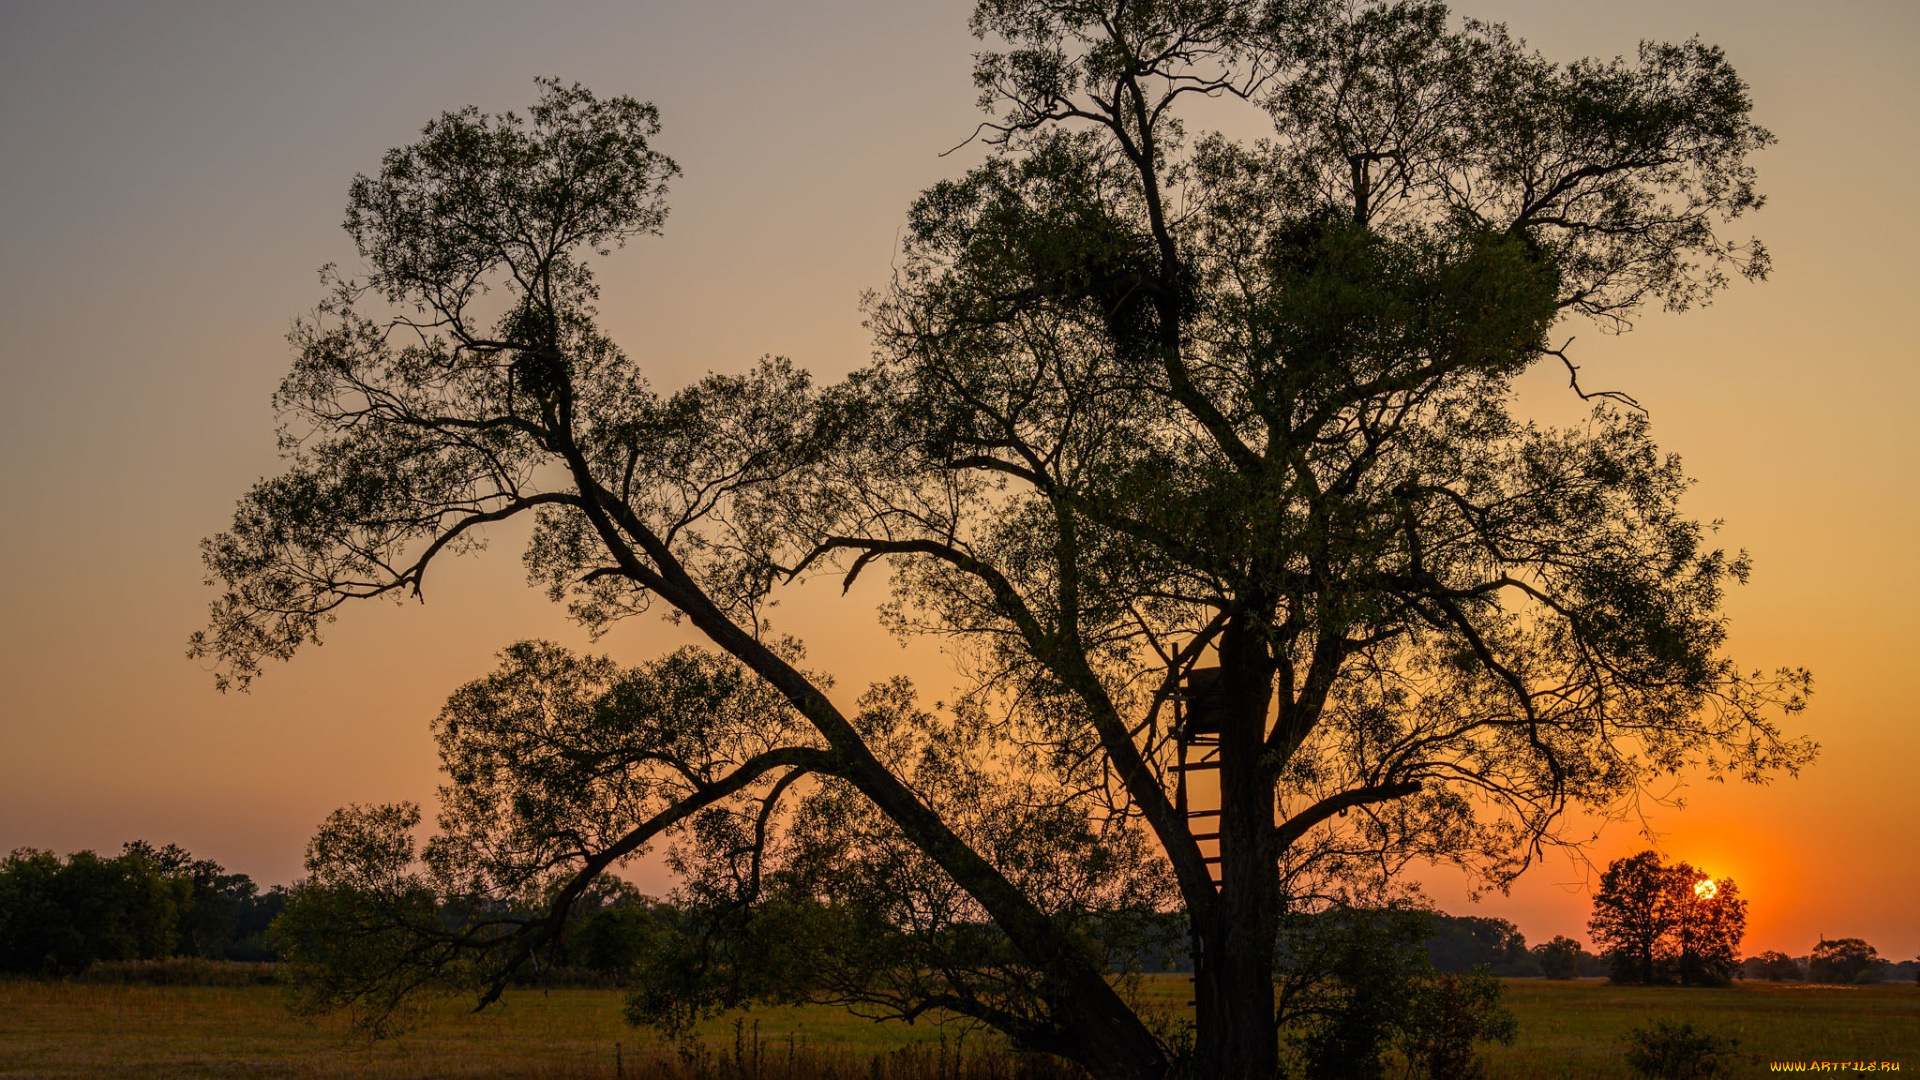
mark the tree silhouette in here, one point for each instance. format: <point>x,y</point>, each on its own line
<point>1843,960</point>
<point>1187,445</point>
<point>1775,967</point>
<point>1657,923</point>
<point>1560,958</point>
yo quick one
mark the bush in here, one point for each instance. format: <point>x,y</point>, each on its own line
<point>1356,984</point>
<point>1447,1016</point>
<point>1347,977</point>
<point>1677,1052</point>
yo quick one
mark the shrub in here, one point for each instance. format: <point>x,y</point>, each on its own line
<point>1677,1052</point>
<point>1357,983</point>
<point>1447,1016</point>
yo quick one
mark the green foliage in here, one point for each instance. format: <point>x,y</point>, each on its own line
<point>1666,1051</point>
<point>1843,960</point>
<point>1560,958</point>
<point>360,914</point>
<point>59,917</point>
<point>1461,943</point>
<point>1655,924</point>
<point>1357,983</point>
<point>1448,1015</point>
<point>1347,976</point>
<point>612,940</point>
<point>62,916</point>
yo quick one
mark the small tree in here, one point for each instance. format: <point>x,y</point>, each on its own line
<point>1355,983</point>
<point>1560,958</point>
<point>1774,967</point>
<point>1843,961</point>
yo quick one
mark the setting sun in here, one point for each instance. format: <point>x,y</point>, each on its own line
<point>1705,889</point>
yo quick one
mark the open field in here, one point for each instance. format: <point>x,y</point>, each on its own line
<point>1568,1030</point>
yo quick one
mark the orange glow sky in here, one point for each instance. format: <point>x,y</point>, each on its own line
<point>172,181</point>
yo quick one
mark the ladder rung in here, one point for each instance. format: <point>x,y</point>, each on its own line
<point>1203,813</point>
<point>1194,766</point>
<point>1206,836</point>
<point>1209,858</point>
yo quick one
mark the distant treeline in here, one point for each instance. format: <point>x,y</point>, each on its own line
<point>1459,944</point>
<point>1840,961</point>
<point>62,916</point>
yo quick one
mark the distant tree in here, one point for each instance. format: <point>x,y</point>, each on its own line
<point>256,912</point>
<point>1461,943</point>
<point>1145,400</point>
<point>1633,918</point>
<point>1843,961</point>
<point>1710,919</point>
<point>1560,958</point>
<point>1657,923</point>
<point>612,940</point>
<point>1774,967</point>
<point>206,920</point>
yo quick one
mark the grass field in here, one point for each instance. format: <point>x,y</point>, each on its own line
<point>1567,1030</point>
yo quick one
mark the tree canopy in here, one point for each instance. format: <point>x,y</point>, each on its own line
<point>1146,401</point>
<point>1657,922</point>
<point>61,916</point>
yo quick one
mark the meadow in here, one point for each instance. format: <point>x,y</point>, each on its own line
<point>1567,1030</point>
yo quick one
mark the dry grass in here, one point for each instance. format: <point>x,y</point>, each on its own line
<point>1567,1030</point>
<point>1574,1030</point>
<point>59,1030</point>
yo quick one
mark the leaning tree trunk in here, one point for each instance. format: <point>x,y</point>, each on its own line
<point>1233,951</point>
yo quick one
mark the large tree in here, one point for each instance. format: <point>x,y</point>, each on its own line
<point>1147,402</point>
<point>1657,922</point>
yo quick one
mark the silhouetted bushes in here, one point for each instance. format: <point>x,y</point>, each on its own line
<point>1356,984</point>
<point>1667,1051</point>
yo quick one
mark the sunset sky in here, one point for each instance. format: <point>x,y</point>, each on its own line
<point>172,181</point>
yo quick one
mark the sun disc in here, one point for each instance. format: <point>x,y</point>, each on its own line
<point>1706,889</point>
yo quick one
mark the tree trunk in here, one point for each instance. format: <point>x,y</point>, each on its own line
<point>1233,956</point>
